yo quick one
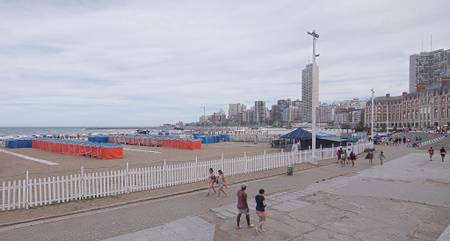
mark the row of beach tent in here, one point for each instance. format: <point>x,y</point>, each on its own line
<point>79,148</point>
<point>156,141</point>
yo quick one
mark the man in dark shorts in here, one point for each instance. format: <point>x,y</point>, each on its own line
<point>443,152</point>
<point>242,207</point>
<point>339,154</point>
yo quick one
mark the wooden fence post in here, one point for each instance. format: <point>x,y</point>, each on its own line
<point>82,184</point>
<point>197,178</point>
<point>264,160</point>
<point>332,150</point>
<point>246,162</point>
<point>165,173</point>
<point>27,190</point>
<point>321,151</point>
<point>127,179</point>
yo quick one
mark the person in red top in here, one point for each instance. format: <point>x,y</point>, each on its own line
<point>431,152</point>
<point>242,207</point>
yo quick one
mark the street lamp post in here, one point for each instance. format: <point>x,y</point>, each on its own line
<point>315,92</point>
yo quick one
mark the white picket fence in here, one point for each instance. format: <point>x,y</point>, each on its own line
<point>34,192</point>
<point>432,141</point>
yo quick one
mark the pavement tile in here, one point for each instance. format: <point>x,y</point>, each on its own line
<point>290,205</point>
<point>445,235</point>
<point>325,235</point>
<point>185,229</point>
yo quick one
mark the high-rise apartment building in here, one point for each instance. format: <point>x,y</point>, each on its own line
<point>427,69</point>
<point>234,112</point>
<point>260,112</point>
<point>297,103</point>
<point>291,114</point>
<point>325,113</point>
<point>307,92</point>
<point>248,116</point>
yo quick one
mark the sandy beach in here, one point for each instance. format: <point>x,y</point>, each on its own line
<point>14,167</point>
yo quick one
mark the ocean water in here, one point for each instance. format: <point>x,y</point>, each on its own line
<point>29,131</point>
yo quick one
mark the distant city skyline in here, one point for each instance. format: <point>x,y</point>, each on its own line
<point>146,63</point>
<point>287,112</point>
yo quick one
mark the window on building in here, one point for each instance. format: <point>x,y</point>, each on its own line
<point>448,112</point>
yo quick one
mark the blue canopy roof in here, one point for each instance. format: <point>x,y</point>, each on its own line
<point>298,133</point>
<point>303,135</point>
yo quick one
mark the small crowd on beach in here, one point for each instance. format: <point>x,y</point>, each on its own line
<point>347,157</point>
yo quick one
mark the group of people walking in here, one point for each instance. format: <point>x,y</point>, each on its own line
<point>216,185</point>
<point>370,156</point>
<point>242,206</point>
<point>216,181</point>
<point>345,157</point>
<point>442,151</point>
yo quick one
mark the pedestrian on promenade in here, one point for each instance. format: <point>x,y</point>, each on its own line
<point>339,154</point>
<point>242,207</point>
<point>443,152</point>
<point>211,181</point>
<point>370,157</point>
<point>343,157</point>
<point>352,158</point>
<point>382,157</point>
<point>347,157</point>
<point>431,153</point>
<point>222,183</point>
<point>260,210</point>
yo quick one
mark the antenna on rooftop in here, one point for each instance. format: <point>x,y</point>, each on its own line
<point>421,46</point>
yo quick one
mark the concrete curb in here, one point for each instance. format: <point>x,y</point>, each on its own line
<point>119,204</point>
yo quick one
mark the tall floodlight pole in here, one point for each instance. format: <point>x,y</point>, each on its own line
<point>315,92</point>
<point>372,116</point>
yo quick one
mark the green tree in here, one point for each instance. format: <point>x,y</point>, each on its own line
<point>360,126</point>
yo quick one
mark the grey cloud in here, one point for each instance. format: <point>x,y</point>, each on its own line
<point>151,62</point>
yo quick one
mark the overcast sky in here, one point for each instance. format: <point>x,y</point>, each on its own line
<point>142,63</point>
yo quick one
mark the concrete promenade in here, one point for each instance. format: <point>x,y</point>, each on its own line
<point>406,199</point>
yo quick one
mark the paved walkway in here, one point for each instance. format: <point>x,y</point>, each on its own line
<point>406,199</point>
<point>185,229</point>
